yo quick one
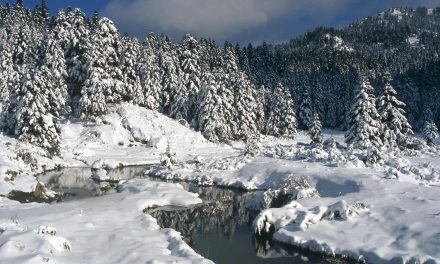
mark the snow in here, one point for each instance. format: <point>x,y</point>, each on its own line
<point>413,40</point>
<point>339,43</point>
<point>380,214</point>
<point>61,233</point>
<point>132,135</point>
<point>82,231</point>
<point>358,207</point>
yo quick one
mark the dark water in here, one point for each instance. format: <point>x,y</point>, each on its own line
<point>220,229</point>
<point>77,183</point>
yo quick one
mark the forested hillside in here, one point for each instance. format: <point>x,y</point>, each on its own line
<point>322,66</point>
<point>71,65</point>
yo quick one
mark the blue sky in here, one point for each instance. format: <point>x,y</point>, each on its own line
<point>234,20</point>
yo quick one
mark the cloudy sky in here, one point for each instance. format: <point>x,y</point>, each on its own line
<point>235,20</point>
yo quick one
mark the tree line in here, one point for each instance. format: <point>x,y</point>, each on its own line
<point>71,65</point>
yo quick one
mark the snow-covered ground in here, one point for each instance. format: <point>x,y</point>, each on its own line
<point>378,214</point>
<point>96,230</point>
<point>107,229</point>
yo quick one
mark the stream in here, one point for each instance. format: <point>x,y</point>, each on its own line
<point>219,229</point>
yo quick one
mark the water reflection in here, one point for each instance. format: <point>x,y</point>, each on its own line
<point>77,183</point>
<point>221,229</point>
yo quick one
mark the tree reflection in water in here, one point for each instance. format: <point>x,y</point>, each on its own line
<point>221,229</point>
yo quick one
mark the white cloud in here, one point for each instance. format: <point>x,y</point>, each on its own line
<point>241,19</point>
<point>215,18</point>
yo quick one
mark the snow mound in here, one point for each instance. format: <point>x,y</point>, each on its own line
<point>37,246</point>
<point>169,194</point>
<point>290,188</point>
<point>301,218</point>
<point>132,135</point>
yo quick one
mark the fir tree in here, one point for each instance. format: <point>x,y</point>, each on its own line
<point>74,34</point>
<point>430,132</point>
<point>316,131</point>
<point>169,76</point>
<point>35,124</point>
<point>53,71</point>
<point>185,104</point>
<point>305,110</point>
<point>93,100</point>
<point>364,124</point>
<point>44,10</point>
<point>246,109</point>
<point>149,74</point>
<point>395,127</point>
<point>19,4</point>
<point>281,121</point>
<point>8,74</point>
<point>132,85</point>
<point>103,84</point>
<point>216,110</point>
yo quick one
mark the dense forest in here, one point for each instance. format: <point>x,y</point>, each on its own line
<point>73,66</point>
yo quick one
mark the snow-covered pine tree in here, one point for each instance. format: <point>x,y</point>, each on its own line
<point>8,75</point>
<point>93,99</point>
<point>364,124</point>
<point>104,76</point>
<point>74,34</point>
<point>281,120</point>
<point>108,42</point>
<point>305,109</point>
<point>245,122</point>
<point>315,131</point>
<point>261,115</point>
<point>35,124</point>
<point>185,104</point>
<point>20,42</point>
<point>430,132</point>
<point>395,128</point>
<point>246,106</point>
<point>169,77</point>
<point>149,74</point>
<point>215,109</point>
<point>53,72</point>
<point>132,85</point>
<point>23,55</point>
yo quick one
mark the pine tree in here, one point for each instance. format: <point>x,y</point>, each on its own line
<point>305,110</point>
<point>149,74</point>
<point>74,34</point>
<point>95,18</point>
<point>395,127</point>
<point>34,123</point>
<point>430,132</point>
<point>316,131</point>
<point>104,76</point>
<point>53,72</point>
<point>8,75</point>
<point>93,101</point>
<point>185,104</point>
<point>44,10</point>
<point>132,85</point>
<point>364,124</point>
<point>281,121</point>
<point>21,41</point>
<point>215,110</point>
<point>246,109</point>
<point>19,4</point>
<point>169,76</point>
